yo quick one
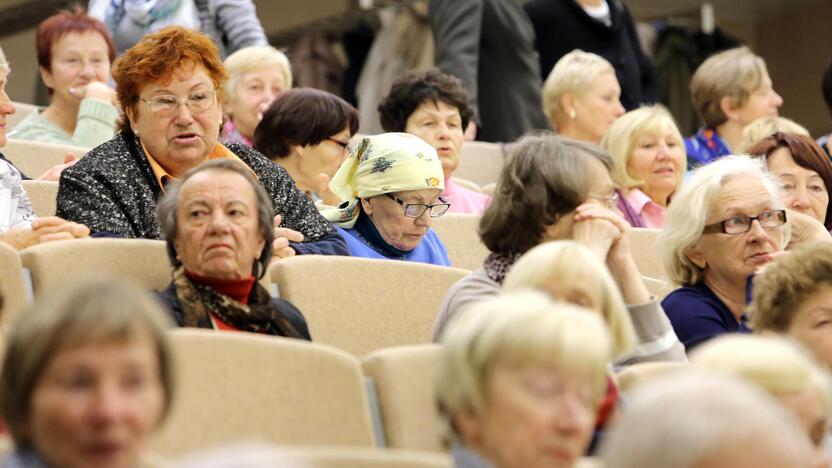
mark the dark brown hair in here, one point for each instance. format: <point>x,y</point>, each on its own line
<point>805,152</point>
<point>411,90</point>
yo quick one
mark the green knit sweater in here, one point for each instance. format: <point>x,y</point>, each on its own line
<point>96,124</point>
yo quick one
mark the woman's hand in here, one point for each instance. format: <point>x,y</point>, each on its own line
<point>805,229</point>
<point>95,90</point>
<point>46,229</point>
<point>282,238</point>
<point>54,173</point>
<point>327,197</point>
<point>596,228</point>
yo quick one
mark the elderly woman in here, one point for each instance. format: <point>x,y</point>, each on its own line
<point>754,132</point>
<point>581,96</point>
<point>256,75</point>
<point>170,86</point>
<point>19,227</point>
<point>730,90</point>
<point>74,56</point>
<point>792,296</point>
<point>556,189</point>
<point>392,184</point>
<point>86,377</point>
<point>217,222</point>
<point>519,380</point>
<point>435,107</point>
<point>724,224</point>
<point>649,156</point>
<point>803,170</point>
<point>781,370</point>
<point>307,132</point>
<point>698,420</point>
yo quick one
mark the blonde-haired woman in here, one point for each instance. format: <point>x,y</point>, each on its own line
<point>779,368</point>
<point>256,76</point>
<point>649,156</point>
<point>581,96</point>
<point>519,380</point>
<point>763,127</point>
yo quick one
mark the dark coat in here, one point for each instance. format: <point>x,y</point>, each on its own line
<point>285,308</point>
<point>562,26</point>
<point>489,45</point>
<point>113,191</point>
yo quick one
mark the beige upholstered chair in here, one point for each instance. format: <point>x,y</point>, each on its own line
<point>646,252</point>
<point>21,111</point>
<point>249,455</point>
<point>458,232</point>
<point>404,382</point>
<point>141,260</point>
<point>465,183</point>
<point>635,374</point>
<point>35,157</point>
<point>360,304</point>
<point>658,288</point>
<point>43,195</point>
<point>244,387</point>
<point>11,284</point>
<point>480,162</point>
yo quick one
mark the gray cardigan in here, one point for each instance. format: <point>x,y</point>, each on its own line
<point>656,340</point>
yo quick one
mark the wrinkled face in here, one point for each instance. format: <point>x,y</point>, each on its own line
<point>439,124</point>
<point>6,107</point>
<point>218,233</point>
<point>762,102</point>
<point>803,189</point>
<point>324,158</point>
<point>179,139</point>
<point>808,406</point>
<point>729,259</point>
<point>597,108</point>
<point>95,404</point>
<point>533,417</point>
<point>658,160</point>
<point>812,324</point>
<point>77,59</point>
<point>254,92</point>
<point>388,217</point>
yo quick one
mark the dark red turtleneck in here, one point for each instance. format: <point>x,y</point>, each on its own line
<point>237,289</point>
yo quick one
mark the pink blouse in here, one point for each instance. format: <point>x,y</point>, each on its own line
<point>463,200</point>
<point>651,212</point>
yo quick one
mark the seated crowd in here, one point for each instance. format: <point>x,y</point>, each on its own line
<point>234,170</point>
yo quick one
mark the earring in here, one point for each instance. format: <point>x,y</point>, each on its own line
<point>572,114</point>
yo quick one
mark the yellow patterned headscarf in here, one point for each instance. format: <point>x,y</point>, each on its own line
<point>386,163</point>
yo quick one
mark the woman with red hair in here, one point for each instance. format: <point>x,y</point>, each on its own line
<point>74,56</point>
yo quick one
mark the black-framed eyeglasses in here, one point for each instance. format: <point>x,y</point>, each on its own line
<point>345,145</point>
<point>415,210</point>
<point>769,219</point>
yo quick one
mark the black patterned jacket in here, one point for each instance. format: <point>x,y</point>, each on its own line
<point>113,191</point>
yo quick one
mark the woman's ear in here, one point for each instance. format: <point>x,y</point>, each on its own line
<point>695,256</point>
<point>567,103</point>
<point>727,106</point>
<point>47,78</point>
<point>366,206</point>
<point>468,426</point>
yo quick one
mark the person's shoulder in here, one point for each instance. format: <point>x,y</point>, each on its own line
<point>112,156</point>
<point>293,315</point>
<point>691,300</point>
<point>475,284</point>
<point>264,167</point>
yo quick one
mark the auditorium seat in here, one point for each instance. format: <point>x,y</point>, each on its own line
<point>404,383</point>
<point>361,305</point>
<point>645,252</point>
<point>140,260</point>
<point>43,195</point>
<point>35,157</point>
<point>658,288</point>
<point>243,387</point>
<point>458,232</point>
<point>480,162</point>
<point>21,111</point>
<point>12,286</point>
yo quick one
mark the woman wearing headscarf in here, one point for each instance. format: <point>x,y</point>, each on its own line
<point>391,184</point>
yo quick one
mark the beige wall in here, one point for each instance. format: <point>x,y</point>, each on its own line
<point>20,51</point>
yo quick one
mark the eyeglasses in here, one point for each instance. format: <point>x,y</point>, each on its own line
<point>415,210</point>
<point>345,145</point>
<point>197,102</point>
<point>611,200</point>
<point>769,219</point>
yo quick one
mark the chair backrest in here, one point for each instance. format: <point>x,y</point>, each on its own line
<point>360,304</point>
<point>11,285</point>
<point>140,260</point>
<point>645,252</point>
<point>636,374</point>
<point>251,455</point>
<point>44,196</point>
<point>21,111</point>
<point>35,157</point>
<point>480,162</point>
<point>237,387</point>
<point>658,288</point>
<point>458,232</point>
<point>404,382</point>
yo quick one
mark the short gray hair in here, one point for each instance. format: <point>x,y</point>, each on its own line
<point>692,205</point>
<point>681,421</point>
<point>167,210</point>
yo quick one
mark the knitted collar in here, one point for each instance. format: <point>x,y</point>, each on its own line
<point>497,265</point>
